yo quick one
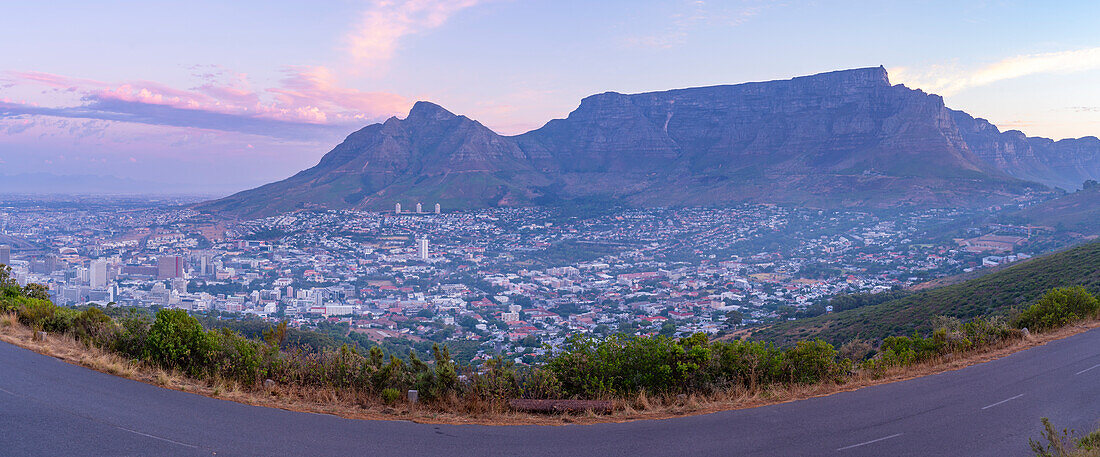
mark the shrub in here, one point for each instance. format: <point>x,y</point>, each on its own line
<point>130,339</point>
<point>623,364</point>
<point>811,362</point>
<point>749,363</point>
<point>92,326</point>
<point>177,340</point>
<point>390,395</point>
<point>1058,308</point>
<point>44,315</point>
<point>238,358</point>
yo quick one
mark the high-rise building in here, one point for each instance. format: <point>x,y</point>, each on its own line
<point>169,266</point>
<point>437,208</point>
<point>422,248</point>
<point>419,208</point>
<point>97,274</point>
<point>5,254</point>
<point>397,208</point>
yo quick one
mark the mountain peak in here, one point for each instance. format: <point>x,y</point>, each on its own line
<point>428,111</point>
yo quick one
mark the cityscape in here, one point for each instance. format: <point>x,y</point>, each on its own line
<point>474,228</point>
<point>507,281</point>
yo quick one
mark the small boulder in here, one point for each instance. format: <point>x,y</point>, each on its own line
<point>269,384</point>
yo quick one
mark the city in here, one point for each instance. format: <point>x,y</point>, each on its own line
<point>501,282</point>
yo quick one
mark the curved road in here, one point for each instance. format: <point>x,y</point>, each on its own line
<point>50,408</point>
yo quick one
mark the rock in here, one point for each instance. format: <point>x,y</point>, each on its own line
<point>269,384</point>
<point>1025,332</point>
<point>39,336</point>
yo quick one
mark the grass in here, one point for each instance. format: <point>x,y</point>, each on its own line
<point>1065,443</point>
<point>355,405</point>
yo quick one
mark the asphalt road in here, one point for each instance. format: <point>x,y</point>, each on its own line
<point>51,408</point>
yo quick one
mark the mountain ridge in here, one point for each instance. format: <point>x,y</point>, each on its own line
<point>841,138</point>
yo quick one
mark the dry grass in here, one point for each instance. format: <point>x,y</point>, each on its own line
<point>357,405</point>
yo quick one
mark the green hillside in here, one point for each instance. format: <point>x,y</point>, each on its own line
<point>995,293</point>
<point>1077,212</point>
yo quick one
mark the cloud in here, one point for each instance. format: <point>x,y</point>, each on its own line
<point>694,14</point>
<point>949,79</point>
<point>308,104</point>
<point>316,90</point>
<point>385,22</point>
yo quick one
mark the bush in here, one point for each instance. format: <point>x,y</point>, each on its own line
<point>177,340</point>
<point>93,326</point>
<point>749,363</point>
<point>238,358</point>
<point>132,335</point>
<point>390,395</point>
<point>1057,308</point>
<point>44,315</point>
<point>810,362</point>
<point>621,365</point>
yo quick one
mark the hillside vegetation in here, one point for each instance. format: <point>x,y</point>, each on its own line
<point>998,293</point>
<point>1077,212</point>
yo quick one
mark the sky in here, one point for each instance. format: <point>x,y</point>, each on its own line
<point>216,96</point>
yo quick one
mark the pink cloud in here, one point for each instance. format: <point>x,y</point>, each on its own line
<point>307,96</point>
<point>382,25</point>
<point>315,90</point>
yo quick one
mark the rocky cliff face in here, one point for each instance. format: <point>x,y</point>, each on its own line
<point>1064,163</point>
<point>840,138</point>
<point>846,121</point>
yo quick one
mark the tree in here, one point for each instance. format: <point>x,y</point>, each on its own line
<point>1090,184</point>
<point>5,277</point>
<point>36,291</point>
<point>668,328</point>
<point>734,318</point>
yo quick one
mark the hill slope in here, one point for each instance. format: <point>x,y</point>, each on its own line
<point>843,138</point>
<point>1078,212</point>
<point>994,293</point>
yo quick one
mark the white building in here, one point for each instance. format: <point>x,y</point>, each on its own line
<point>97,274</point>
<point>422,248</point>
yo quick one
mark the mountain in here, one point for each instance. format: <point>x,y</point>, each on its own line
<point>1065,163</point>
<point>995,293</point>
<point>844,138</point>
<point>432,155</point>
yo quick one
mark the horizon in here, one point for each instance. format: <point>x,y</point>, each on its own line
<point>270,90</point>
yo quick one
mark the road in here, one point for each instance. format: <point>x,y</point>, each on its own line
<point>51,408</point>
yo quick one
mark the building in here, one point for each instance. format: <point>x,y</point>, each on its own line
<point>169,266</point>
<point>419,208</point>
<point>5,254</point>
<point>422,248</point>
<point>397,208</point>
<point>437,208</point>
<point>97,274</point>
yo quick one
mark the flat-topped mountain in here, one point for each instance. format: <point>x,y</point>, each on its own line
<point>844,138</point>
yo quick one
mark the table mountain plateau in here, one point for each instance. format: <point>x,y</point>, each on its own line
<point>845,138</point>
